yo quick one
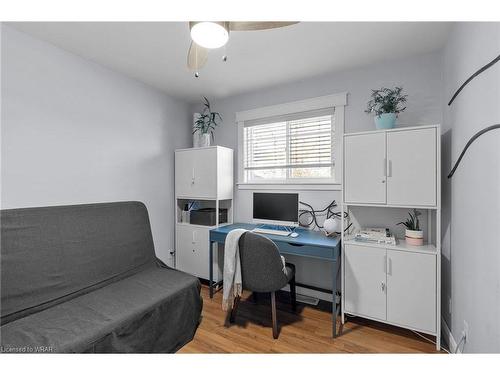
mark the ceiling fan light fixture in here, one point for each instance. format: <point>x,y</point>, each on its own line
<point>210,34</point>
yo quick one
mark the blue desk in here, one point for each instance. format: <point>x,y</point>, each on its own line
<point>310,244</point>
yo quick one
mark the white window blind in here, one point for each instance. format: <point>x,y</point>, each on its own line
<point>291,147</point>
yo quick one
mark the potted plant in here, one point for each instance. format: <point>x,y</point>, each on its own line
<point>413,234</point>
<point>205,124</point>
<point>386,104</point>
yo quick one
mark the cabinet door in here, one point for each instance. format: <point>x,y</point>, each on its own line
<point>411,158</point>
<point>411,289</point>
<point>191,253</point>
<point>205,173</point>
<point>184,172</point>
<point>364,168</point>
<point>365,280</point>
<point>196,173</point>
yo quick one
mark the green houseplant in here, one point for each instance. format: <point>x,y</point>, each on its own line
<point>205,124</point>
<point>386,103</point>
<point>413,234</point>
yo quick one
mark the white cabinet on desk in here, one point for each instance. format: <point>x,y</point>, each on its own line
<point>203,179</point>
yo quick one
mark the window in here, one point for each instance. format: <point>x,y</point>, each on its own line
<point>292,145</point>
<point>297,149</point>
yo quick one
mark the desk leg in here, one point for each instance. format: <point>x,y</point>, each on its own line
<point>334,300</point>
<point>210,269</point>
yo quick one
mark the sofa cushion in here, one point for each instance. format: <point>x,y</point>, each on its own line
<point>155,310</point>
<point>52,254</point>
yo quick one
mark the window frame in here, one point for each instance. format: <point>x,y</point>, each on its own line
<point>335,102</point>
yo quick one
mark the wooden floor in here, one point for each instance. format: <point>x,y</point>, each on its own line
<point>306,331</point>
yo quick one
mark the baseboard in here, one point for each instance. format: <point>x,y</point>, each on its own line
<point>448,337</point>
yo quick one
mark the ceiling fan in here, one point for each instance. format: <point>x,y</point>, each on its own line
<point>210,35</point>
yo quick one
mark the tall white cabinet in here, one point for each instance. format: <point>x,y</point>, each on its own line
<point>396,284</point>
<point>203,179</point>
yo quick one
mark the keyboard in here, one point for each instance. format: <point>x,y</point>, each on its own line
<point>272,231</point>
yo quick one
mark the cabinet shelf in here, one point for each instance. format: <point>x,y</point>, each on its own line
<point>400,245</point>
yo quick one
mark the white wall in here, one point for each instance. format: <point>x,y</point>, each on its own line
<point>75,132</point>
<point>471,199</point>
<point>421,78</point>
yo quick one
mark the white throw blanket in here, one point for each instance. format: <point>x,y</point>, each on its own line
<point>232,286</point>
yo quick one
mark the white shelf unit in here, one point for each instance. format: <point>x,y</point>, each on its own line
<point>204,177</point>
<point>395,284</point>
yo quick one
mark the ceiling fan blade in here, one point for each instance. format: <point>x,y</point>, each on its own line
<point>197,56</point>
<point>254,26</point>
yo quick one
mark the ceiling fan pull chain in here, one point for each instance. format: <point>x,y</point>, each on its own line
<point>224,55</point>
<point>196,74</point>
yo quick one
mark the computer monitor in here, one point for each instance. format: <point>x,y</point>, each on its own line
<point>276,208</point>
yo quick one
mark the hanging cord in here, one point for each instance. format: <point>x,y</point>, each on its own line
<point>474,137</point>
<point>489,65</point>
<point>460,342</point>
<point>328,211</point>
<point>481,132</point>
<point>433,342</point>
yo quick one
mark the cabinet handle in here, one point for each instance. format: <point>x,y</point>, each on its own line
<point>382,286</point>
<point>389,266</point>
<point>192,178</point>
<point>385,263</point>
<point>389,168</point>
<point>385,167</point>
<point>194,238</point>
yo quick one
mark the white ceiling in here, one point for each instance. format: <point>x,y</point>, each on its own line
<point>155,53</point>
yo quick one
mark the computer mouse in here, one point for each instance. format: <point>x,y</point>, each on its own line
<point>293,234</point>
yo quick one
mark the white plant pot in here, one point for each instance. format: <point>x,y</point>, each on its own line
<point>196,135</point>
<point>205,140</point>
<point>414,237</point>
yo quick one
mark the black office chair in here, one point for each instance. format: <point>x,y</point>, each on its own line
<point>262,272</point>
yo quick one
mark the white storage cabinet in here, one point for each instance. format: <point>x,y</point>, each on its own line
<point>203,175</point>
<point>398,284</point>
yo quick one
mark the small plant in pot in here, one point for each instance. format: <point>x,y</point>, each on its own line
<point>386,103</point>
<point>205,124</point>
<point>413,234</point>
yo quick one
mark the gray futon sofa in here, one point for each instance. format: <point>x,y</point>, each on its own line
<point>85,278</point>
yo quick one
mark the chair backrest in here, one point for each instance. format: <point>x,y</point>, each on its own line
<point>261,265</point>
<point>52,254</point>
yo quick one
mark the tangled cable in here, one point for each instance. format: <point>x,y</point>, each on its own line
<point>328,211</point>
